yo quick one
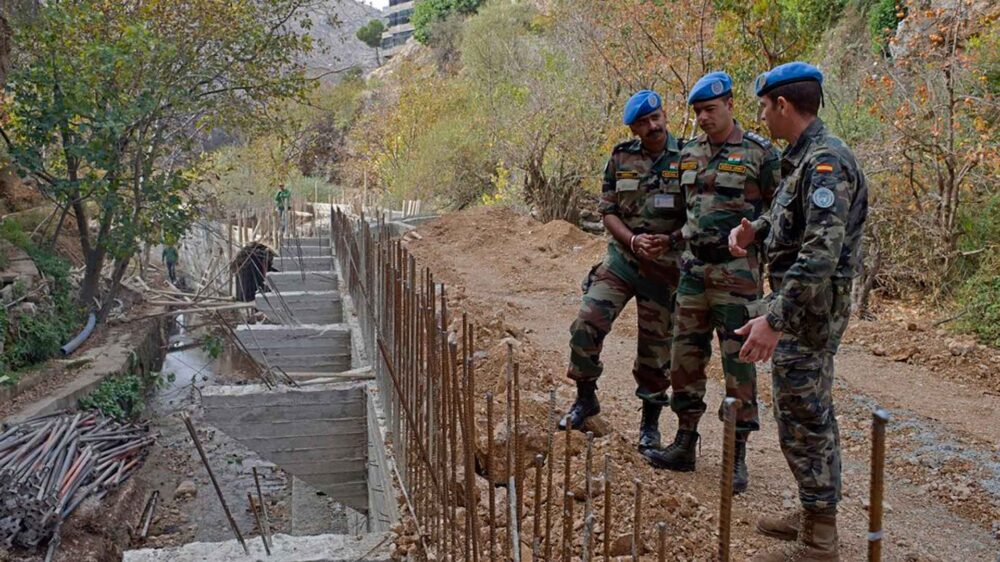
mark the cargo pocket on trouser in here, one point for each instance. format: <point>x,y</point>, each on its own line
<point>588,280</point>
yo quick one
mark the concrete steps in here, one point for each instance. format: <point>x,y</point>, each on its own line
<point>305,250</point>
<point>289,263</point>
<point>302,307</point>
<point>312,348</point>
<point>292,281</point>
<point>374,547</point>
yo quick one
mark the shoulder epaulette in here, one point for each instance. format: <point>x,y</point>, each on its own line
<point>633,145</point>
<point>758,139</point>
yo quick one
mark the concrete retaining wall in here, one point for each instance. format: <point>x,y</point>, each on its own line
<point>383,512</point>
<point>318,434</point>
<point>316,348</point>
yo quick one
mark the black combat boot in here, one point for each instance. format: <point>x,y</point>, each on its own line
<point>741,478</point>
<point>585,406</point>
<point>649,428</point>
<point>679,455</point>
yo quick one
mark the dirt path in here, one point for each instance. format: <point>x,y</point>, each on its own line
<point>944,445</point>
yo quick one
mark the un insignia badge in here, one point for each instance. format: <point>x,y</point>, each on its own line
<point>823,198</point>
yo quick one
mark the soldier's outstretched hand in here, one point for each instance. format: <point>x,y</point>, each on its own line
<point>761,340</point>
<point>740,238</point>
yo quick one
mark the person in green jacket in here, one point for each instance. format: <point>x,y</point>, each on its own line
<point>169,257</point>
<point>282,200</point>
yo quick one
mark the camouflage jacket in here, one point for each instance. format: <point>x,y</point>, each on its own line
<point>722,187</point>
<point>645,193</point>
<point>813,239</point>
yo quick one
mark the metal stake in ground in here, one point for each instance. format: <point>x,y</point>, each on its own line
<point>550,460</point>
<point>536,530</point>
<point>661,548</point>
<point>637,521</point>
<point>880,418</point>
<point>492,475</point>
<point>607,508</point>
<point>263,509</point>
<point>260,527</point>
<point>215,483</point>
<point>588,503</point>
<point>568,525</point>
<point>729,406</point>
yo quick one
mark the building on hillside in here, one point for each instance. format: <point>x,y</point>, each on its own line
<point>397,27</point>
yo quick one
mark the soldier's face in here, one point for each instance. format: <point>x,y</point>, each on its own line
<point>773,114</point>
<point>651,129</point>
<point>714,116</point>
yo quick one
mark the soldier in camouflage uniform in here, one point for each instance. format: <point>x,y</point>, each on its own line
<point>643,210</point>
<point>811,240</point>
<point>727,174</point>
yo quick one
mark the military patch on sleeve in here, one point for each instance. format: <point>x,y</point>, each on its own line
<point>670,174</point>
<point>732,168</point>
<point>689,165</point>
<point>823,198</point>
<point>824,168</point>
<point>626,175</point>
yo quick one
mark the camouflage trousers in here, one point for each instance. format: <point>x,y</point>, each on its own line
<point>802,380</point>
<point>713,298</point>
<point>607,290</point>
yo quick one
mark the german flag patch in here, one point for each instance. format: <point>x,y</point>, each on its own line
<point>824,168</point>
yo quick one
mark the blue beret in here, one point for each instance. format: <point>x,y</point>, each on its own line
<point>641,103</point>
<point>711,86</point>
<point>787,73</point>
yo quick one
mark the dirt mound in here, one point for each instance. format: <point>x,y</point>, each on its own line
<point>519,282</point>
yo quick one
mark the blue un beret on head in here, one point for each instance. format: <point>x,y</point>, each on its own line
<point>641,103</point>
<point>711,86</point>
<point>787,73</point>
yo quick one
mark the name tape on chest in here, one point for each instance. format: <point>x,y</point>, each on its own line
<point>670,174</point>
<point>627,175</point>
<point>824,168</point>
<point>732,168</point>
<point>664,201</point>
<point>689,165</point>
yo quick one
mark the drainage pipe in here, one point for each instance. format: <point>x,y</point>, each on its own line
<point>81,337</point>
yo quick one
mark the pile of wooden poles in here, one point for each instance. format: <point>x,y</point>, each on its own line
<point>50,464</point>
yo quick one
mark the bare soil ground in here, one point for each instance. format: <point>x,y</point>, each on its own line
<point>520,282</point>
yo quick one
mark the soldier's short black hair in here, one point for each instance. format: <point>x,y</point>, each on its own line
<point>806,96</point>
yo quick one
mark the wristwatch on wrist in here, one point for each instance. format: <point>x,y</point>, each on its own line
<point>775,322</point>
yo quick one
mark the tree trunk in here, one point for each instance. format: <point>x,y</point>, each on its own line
<point>90,287</point>
<point>121,266</point>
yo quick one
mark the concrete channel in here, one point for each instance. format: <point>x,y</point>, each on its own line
<point>328,435</point>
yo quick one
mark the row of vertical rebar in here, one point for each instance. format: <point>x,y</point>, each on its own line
<point>425,368</point>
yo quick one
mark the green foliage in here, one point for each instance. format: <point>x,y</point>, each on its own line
<point>123,397</point>
<point>428,12</point>
<point>883,17</point>
<point>110,102</point>
<point>212,344</point>
<point>979,295</point>
<point>371,33</point>
<point>31,339</point>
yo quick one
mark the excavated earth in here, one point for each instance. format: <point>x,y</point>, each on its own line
<point>519,280</point>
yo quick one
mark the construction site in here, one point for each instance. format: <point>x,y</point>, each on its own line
<point>392,392</point>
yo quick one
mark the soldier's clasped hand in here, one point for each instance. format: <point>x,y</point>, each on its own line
<point>740,238</point>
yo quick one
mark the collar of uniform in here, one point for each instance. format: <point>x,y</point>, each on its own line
<point>735,136</point>
<point>796,152</point>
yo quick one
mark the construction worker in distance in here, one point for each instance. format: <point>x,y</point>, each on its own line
<point>282,200</point>
<point>643,210</point>
<point>727,175</point>
<point>170,257</point>
<point>811,242</point>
